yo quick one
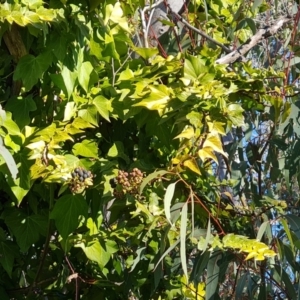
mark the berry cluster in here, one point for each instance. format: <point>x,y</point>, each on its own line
<point>127,182</point>
<point>81,179</point>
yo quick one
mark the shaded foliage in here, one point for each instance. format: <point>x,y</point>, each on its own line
<point>130,172</point>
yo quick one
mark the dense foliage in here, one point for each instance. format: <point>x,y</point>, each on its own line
<point>131,172</point>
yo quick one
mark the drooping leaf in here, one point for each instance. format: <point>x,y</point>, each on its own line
<point>168,199</point>
<point>9,160</point>
<point>212,278</point>
<point>183,229</point>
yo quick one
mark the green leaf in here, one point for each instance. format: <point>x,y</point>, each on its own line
<point>250,23</point>
<point>212,278</point>
<point>192,165</point>
<point>146,53</point>
<point>9,160</point>
<point>89,114</point>
<point>30,69</point>
<point>242,281</point>
<point>7,256</point>
<point>26,228</point>
<point>158,98</point>
<point>151,177</point>
<point>117,150</point>
<point>20,108</point>
<point>140,255</point>
<point>262,230</point>
<point>84,74</point>
<point>45,14</point>
<point>289,287</point>
<point>69,79</point>
<point>193,67</point>
<point>66,213</point>
<point>96,253</point>
<point>86,148</point>
<point>168,199</point>
<point>58,44</point>
<point>183,228</point>
<point>103,106</point>
<point>235,114</point>
<point>115,15</point>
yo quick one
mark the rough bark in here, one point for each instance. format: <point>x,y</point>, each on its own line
<point>13,41</point>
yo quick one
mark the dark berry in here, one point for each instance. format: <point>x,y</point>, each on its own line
<point>81,178</point>
<point>80,173</point>
<point>113,182</point>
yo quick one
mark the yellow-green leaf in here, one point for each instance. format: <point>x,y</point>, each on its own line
<point>187,133</point>
<point>192,165</point>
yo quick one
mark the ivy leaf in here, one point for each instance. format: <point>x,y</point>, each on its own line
<point>20,108</point>
<point>96,253</point>
<point>158,98</point>
<point>103,106</point>
<point>192,165</point>
<point>193,67</point>
<point>89,114</point>
<point>146,53</point>
<point>235,114</point>
<point>213,141</point>
<point>206,153</point>
<point>86,148</point>
<point>30,69</point>
<point>187,133</point>
<point>45,14</point>
<point>66,213</point>
<point>84,73</point>
<point>26,228</point>
<point>115,15</point>
<point>58,44</point>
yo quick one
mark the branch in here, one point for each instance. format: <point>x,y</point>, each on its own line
<point>203,34</point>
<point>253,41</point>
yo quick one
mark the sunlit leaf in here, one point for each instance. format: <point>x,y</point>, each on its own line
<point>183,229</point>
<point>192,165</point>
<point>168,199</point>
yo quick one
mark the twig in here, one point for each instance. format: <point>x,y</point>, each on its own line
<point>73,276</point>
<point>203,34</point>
